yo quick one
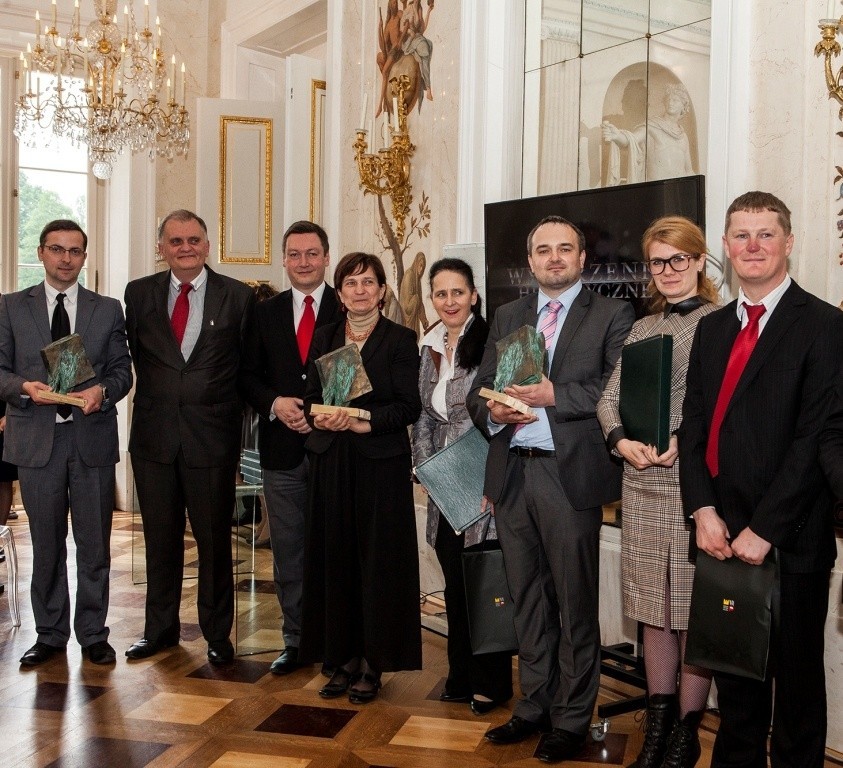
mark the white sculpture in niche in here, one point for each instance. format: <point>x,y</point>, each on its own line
<point>658,149</point>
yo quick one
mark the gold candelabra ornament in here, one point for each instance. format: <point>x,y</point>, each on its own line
<point>829,48</point>
<point>388,171</point>
<point>101,88</point>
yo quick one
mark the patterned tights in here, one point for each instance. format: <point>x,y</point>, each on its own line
<point>663,648</point>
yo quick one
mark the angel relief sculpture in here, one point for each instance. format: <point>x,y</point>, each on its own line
<point>404,50</point>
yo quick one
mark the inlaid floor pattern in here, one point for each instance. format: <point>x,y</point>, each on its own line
<point>177,710</point>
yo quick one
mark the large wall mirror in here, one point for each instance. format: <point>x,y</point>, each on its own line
<point>615,92</point>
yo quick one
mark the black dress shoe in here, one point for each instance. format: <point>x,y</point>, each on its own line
<point>365,688</point>
<point>338,684</point>
<point>144,648</point>
<point>100,653</point>
<point>454,697</point>
<point>39,653</point>
<point>514,730</point>
<point>287,662</point>
<point>560,745</point>
<point>220,652</point>
<point>480,707</point>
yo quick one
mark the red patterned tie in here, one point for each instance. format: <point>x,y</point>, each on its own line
<point>306,325</point>
<point>181,310</point>
<point>738,357</point>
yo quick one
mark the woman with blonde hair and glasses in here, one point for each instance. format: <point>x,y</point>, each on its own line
<point>657,573</point>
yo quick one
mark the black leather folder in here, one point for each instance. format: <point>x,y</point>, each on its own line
<point>645,390</point>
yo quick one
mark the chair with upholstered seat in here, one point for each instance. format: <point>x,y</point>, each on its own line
<point>7,541</point>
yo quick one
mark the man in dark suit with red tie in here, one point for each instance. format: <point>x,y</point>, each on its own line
<point>186,329</point>
<point>276,352</point>
<point>760,381</point>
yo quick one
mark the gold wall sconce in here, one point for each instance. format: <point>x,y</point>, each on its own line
<point>829,48</point>
<point>387,172</point>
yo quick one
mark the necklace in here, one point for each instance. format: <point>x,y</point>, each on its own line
<point>359,336</point>
<point>448,347</point>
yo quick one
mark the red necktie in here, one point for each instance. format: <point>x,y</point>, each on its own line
<point>306,325</point>
<point>738,357</point>
<point>181,310</point>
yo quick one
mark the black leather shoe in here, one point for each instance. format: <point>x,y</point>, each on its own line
<point>514,730</point>
<point>559,745</point>
<point>39,653</point>
<point>220,652</point>
<point>100,653</point>
<point>454,697</point>
<point>480,707</point>
<point>365,688</point>
<point>287,662</point>
<point>337,685</point>
<point>144,648</point>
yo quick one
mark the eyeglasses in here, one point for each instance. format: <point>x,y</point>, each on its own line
<point>679,262</point>
<point>306,255</point>
<point>57,250</point>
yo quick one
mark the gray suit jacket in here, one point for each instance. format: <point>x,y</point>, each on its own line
<point>24,332</point>
<point>587,350</point>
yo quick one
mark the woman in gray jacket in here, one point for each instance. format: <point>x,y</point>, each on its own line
<point>451,352</point>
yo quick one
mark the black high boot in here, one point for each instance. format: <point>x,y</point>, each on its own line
<point>683,746</point>
<point>660,719</point>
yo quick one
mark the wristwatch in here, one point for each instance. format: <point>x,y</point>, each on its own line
<point>105,400</point>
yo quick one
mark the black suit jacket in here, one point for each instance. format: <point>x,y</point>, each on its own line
<point>193,405</point>
<point>391,359</point>
<point>272,368</point>
<point>769,474</point>
<point>587,350</point>
<point>831,447</point>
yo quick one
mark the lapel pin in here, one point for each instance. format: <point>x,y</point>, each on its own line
<point>212,322</point>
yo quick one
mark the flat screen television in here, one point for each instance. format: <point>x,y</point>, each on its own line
<point>613,220</point>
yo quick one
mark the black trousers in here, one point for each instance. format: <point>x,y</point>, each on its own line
<point>796,664</point>
<point>487,674</point>
<point>207,493</point>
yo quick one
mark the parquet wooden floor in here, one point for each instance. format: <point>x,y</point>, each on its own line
<point>177,710</point>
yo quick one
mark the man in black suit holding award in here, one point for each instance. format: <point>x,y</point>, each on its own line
<point>275,374</point>
<point>548,475</point>
<point>760,382</point>
<point>65,454</point>
<point>186,329</point>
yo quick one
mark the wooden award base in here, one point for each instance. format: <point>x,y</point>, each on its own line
<point>57,397</point>
<point>512,402</point>
<point>357,413</point>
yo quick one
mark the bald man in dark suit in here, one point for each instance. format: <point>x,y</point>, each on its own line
<point>186,329</point>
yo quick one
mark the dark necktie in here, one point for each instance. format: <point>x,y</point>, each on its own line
<point>59,328</point>
<point>181,310</point>
<point>304,334</point>
<point>738,357</point>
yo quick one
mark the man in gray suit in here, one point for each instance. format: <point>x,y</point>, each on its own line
<point>548,475</point>
<point>65,455</point>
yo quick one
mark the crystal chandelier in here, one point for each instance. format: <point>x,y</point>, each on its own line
<point>101,88</point>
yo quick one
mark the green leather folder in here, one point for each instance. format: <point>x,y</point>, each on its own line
<point>454,479</point>
<point>645,390</point>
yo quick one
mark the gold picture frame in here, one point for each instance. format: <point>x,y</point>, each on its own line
<point>318,94</point>
<point>245,214</point>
